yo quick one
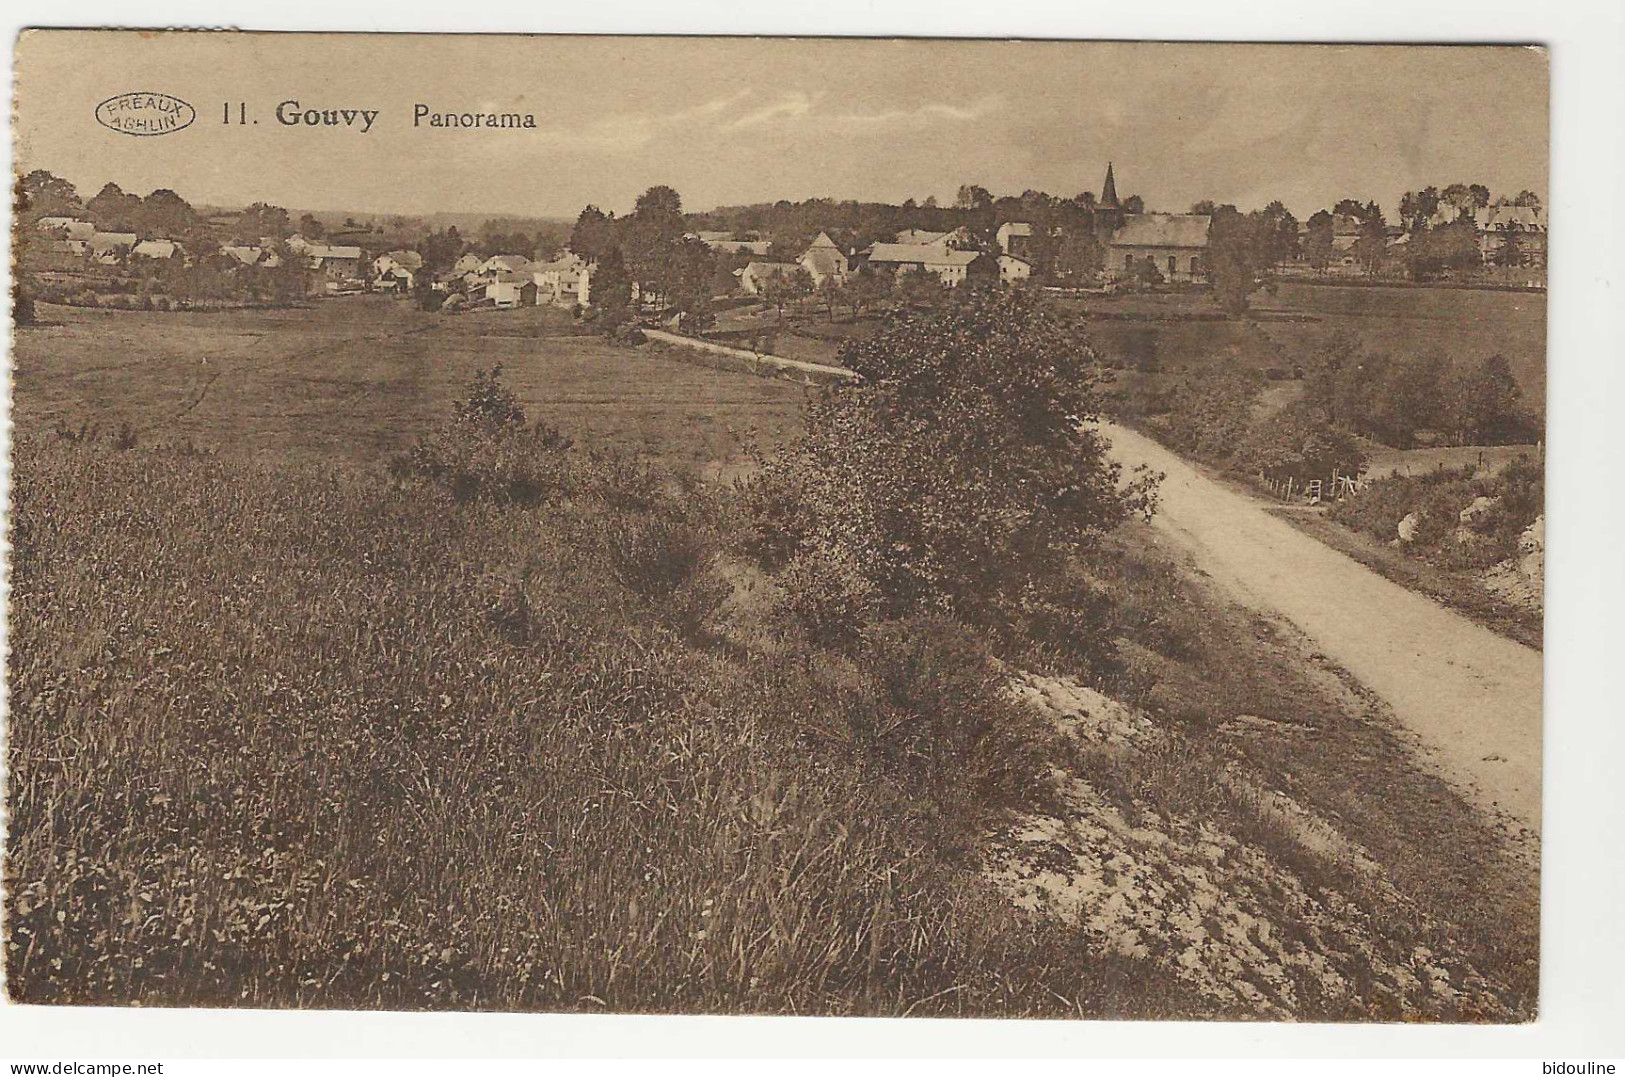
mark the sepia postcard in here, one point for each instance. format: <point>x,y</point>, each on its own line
<point>827,526</point>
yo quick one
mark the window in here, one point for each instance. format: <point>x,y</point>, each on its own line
<point>1173,265</point>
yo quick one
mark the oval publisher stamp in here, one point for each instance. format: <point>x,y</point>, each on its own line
<point>144,113</point>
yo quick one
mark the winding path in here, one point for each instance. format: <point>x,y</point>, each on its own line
<point>1473,697</point>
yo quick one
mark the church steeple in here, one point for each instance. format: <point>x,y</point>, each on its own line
<point>1108,193</point>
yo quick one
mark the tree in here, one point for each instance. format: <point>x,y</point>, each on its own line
<point>1371,248</point>
<point>1527,198</point>
<point>1300,443</point>
<point>1133,204</point>
<point>1483,403</point>
<point>611,291</point>
<point>1318,246</point>
<point>1079,257</point>
<point>1452,246</point>
<point>46,195</point>
<point>782,289</point>
<point>1510,252</point>
<point>261,221</point>
<point>311,228</point>
<point>961,471</point>
<point>828,292</point>
<point>1409,397</point>
<point>1237,256</point>
<point>114,211</point>
<point>1280,234</point>
<point>973,197</point>
<point>865,288</point>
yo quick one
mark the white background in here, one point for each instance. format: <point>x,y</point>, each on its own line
<point>1583,885</point>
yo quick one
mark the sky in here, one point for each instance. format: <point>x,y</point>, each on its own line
<point>737,120</point>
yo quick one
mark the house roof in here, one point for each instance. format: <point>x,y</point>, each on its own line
<point>246,255</point>
<point>1163,230</point>
<point>1525,218</point>
<point>106,241</point>
<point>918,254</point>
<point>156,248</point>
<point>771,269</point>
<point>821,241</point>
<point>321,251</point>
<point>404,259</point>
<point>505,276</point>
<point>1016,228</point>
<point>509,262</point>
<point>919,237</point>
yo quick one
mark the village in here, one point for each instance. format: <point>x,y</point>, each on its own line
<point>169,256</point>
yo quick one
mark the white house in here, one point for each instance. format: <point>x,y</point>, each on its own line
<point>508,289</point>
<point>1012,269</point>
<point>823,260</point>
<point>566,281</point>
<point>253,256</point>
<point>158,249</point>
<point>109,247</point>
<point>72,227</point>
<point>1014,236</point>
<point>396,270</point>
<point>952,267</point>
<point>498,264</point>
<point>754,277</point>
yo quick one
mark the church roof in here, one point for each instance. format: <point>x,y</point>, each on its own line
<point>1163,230</point>
<point>1108,192</point>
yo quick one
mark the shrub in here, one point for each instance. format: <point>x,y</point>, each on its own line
<point>958,475</point>
<point>487,452</point>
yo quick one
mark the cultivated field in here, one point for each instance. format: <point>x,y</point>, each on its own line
<point>353,381</point>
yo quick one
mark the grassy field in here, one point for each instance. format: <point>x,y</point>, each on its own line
<point>291,731</point>
<point>353,381</point>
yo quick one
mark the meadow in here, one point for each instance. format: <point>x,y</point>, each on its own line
<point>350,382</point>
<point>293,727</point>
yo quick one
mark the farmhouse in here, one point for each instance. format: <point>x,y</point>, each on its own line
<point>728,243</point>
<point>1012,269</point>
<point>109,247</point>
<point>950,266</point>
<point>158,249</point>
<point>511,290</point>
<point>252,256</point>
<point>823,260</point>
<point>754,277</point>
<point>566,281</point>
<point>498,264</point>
<point>396,270</point>
<point>71,227</point>
<point>1175,243</point>
<point>1015,237</point>
<point>334,263</point>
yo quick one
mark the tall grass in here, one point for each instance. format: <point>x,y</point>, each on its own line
<point>286,738</point>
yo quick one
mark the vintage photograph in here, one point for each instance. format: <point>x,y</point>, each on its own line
<point>823,526</point>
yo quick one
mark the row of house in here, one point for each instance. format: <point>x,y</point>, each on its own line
<point>512,280</point>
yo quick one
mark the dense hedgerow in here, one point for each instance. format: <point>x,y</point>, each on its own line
<point>285,738</point>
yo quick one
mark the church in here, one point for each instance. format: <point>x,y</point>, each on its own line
<point>1174,244</point>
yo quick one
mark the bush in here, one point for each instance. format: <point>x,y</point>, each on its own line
<point>486,452</point>
<point>957,476</point>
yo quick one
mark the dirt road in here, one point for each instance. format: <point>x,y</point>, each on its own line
<point>1471,696</point>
